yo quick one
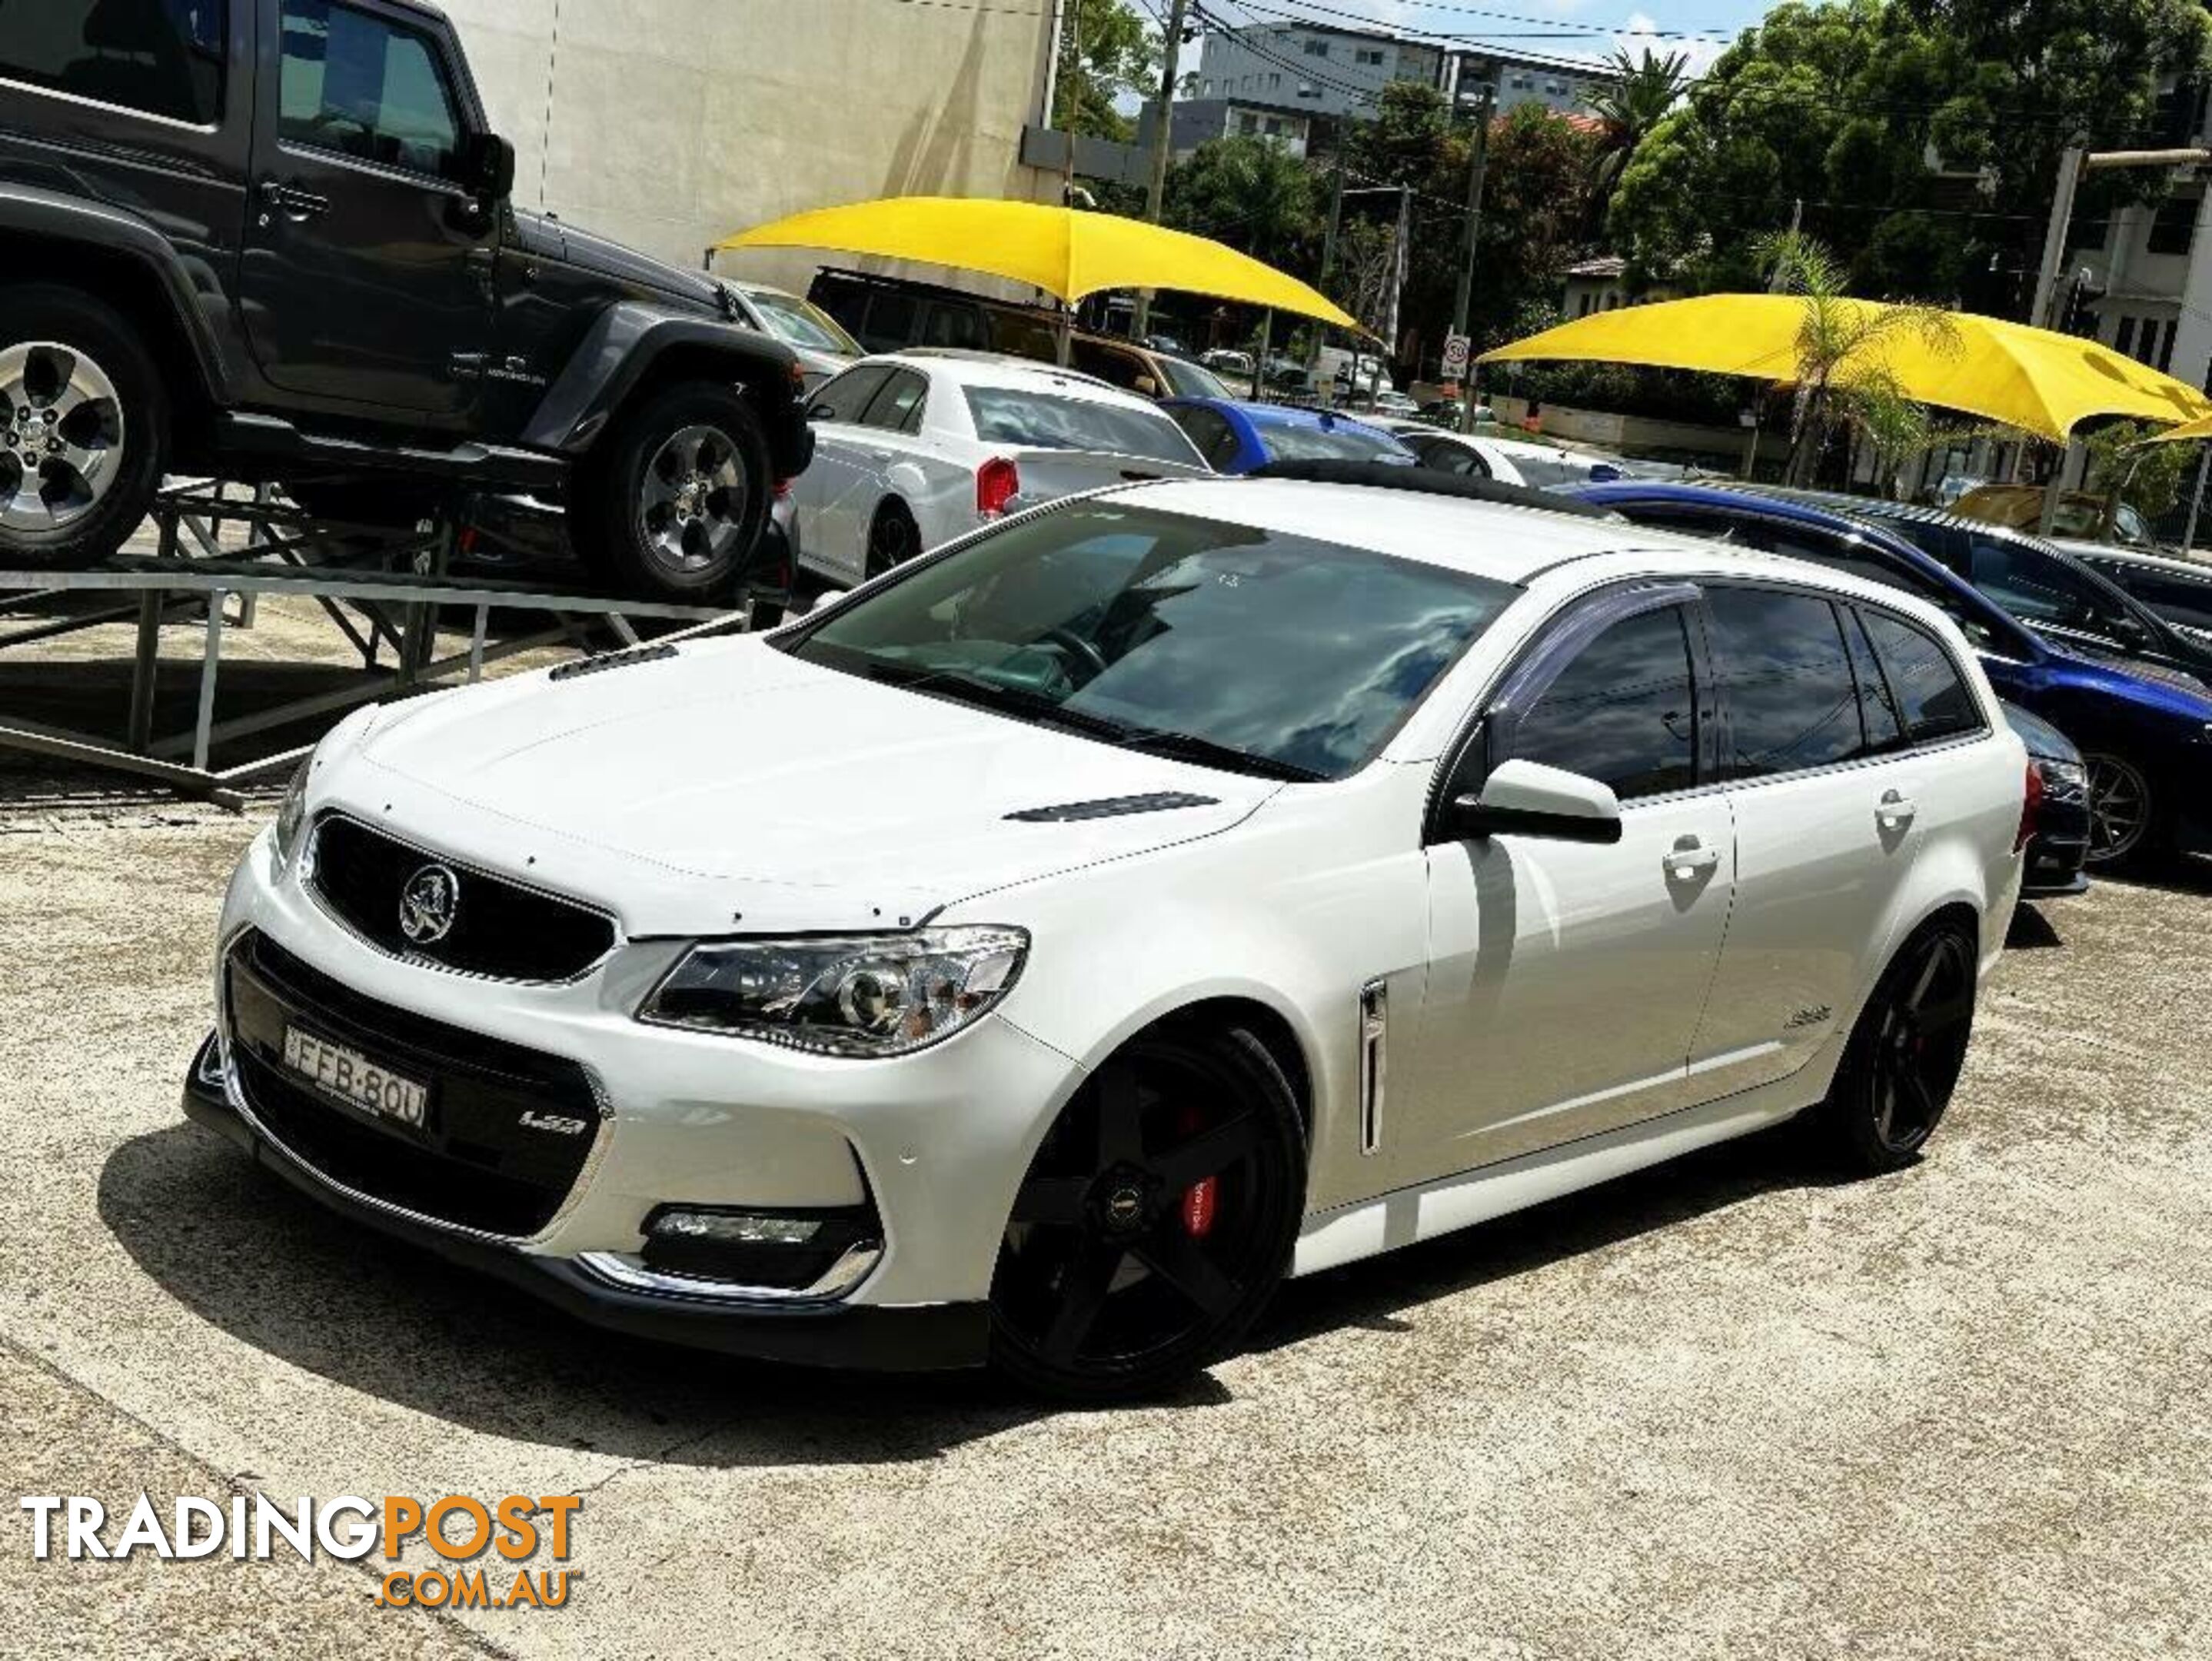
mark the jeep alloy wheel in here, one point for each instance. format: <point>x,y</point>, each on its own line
<point>693,502</point>
<point>62,434</point>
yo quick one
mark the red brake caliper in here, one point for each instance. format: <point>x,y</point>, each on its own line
<point>1198,1199</point>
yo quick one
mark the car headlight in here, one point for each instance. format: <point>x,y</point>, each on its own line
<point>291,818</point>
<point>863,994</point>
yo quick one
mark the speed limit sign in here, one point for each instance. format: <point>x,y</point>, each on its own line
<point>1456,350</point>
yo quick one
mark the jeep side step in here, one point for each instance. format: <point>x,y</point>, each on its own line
<point>471,465</point>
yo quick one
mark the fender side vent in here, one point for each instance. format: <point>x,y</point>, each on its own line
<point>607,660</point>
<point>1112,808</point>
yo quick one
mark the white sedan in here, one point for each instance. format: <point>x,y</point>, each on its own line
<point>913,449</point>
<point>1508,460</point>
<point>1040,953</point>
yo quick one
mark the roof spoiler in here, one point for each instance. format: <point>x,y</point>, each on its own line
<point>1426,481</point>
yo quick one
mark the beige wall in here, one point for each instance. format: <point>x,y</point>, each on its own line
<point>671,124</point>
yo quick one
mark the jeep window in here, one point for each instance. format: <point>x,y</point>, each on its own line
<point>160,57</point>
<point>1006,415</point>
<point>960,327</point>
<point>366,89</point>
<point>1235,647</point>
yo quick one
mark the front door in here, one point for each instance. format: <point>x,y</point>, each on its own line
<point>1565,980</point>
<point>368,270</point>
<point>832,532</point>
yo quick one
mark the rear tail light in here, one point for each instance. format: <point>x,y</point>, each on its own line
<point>996,481</point>
<point>2031,808</point>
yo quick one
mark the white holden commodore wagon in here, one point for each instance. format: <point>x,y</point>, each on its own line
<point>1041,952</point>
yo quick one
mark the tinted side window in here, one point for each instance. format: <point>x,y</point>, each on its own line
<point>1118,368</point>
<point>1791,701</point>
<point>1878,713</point>
<point>891,318</point>
<point>955,326</point>
<point>897,407</point>
<point>2184,600</point>
<point>1625,711</point>
<point>2037,588</point>
<point>161,56</point>
<point>844,398</point>
<point>1861,560</point>
<point>1215,438</point>
<point>364,88</point>
<point>1931,694</point>
<point>1442,456</point>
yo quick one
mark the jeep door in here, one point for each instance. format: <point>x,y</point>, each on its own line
<point>1567,979</point>
<point>368,269</point>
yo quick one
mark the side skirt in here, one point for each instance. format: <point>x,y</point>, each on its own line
<point>1370,1228</point>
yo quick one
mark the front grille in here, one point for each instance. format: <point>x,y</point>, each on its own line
<point>500,928</point>
<point>473,1162</point>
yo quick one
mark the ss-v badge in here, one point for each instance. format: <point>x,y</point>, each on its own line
<point>557,1124</point>
<point>1805,1017</point>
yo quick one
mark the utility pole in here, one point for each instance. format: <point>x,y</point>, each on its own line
<point>1327,270</point>
<point>1163,134</point>
<point>2054,236</point>
<point>1478,167</point>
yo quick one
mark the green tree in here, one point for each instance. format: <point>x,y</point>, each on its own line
<point>1536,214</point>
<point>1840,107</point>
<point>1107,54</point>
<point>1835,382</point>
<point>1252,194</point>
<point>1639,98</point>
<point>2124,467</point>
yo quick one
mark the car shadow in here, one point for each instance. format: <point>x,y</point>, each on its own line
<point>2030,930</point>
<point>1370,1294</point>
<point>262,1262</point>
<point>246,1252</point>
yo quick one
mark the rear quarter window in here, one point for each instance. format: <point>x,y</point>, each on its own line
<point>161,57</point>
<point>1932,696</point>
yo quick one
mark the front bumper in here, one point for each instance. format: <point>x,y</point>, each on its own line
<point>912,1339</point>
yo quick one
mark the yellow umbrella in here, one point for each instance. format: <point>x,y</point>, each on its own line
<point>1063,250</point>
<point>2032,379</point>
<point>2200,428</point>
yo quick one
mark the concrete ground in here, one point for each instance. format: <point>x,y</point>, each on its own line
<point>1723,1409</point>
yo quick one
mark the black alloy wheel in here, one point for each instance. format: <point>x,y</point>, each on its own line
<point>1155,1222</point>
<point>893,538</point>
<point>672,503</point>
<point>2123,813</point>
<point>1906,1053</point>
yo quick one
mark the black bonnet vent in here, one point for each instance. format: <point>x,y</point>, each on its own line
<point>1113,807</point>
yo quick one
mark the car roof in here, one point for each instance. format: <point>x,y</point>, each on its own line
<point>2115,554</point>
<point>965,368</point>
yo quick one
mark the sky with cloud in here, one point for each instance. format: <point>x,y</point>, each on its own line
<point>1564,29</point>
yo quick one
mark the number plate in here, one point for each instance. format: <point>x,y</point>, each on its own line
<point>352,1077</point>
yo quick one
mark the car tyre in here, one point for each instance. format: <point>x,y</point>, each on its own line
<point>2127,818</point>
<point>893,538</point>
<point>1156,1220</point>
<point>84,427</point>
<point>673,505</point>
<point>1905,1055</point>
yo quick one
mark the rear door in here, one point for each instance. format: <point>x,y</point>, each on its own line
<point>1566,979</point>
<point>368,269</point>
<point>827,495</point>
<point>1825,788</point>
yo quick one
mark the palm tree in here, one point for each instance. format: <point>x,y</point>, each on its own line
<point>1834,378</point>
<point>1637,99</point>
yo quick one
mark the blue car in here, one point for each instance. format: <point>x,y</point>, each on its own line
<point>1237,438</point>
<point>2144,729</point>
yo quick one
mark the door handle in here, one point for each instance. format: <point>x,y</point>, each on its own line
<point>297,205</point>
<point>1689,860</point>
<point>1894,811</point>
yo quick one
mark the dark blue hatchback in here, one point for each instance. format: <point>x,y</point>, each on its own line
<point>1237,438</point>
<point>2145,730</point>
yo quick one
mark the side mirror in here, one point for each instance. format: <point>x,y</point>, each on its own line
<point>1528,799</point>
<point>1147,385</point>
<point>488,165</point>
